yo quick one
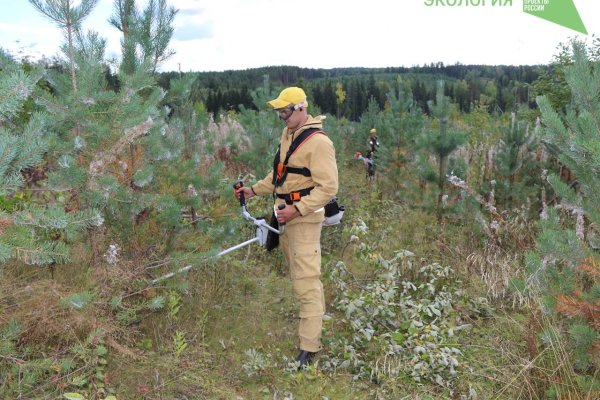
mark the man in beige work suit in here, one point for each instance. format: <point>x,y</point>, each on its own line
<point>304,198</point>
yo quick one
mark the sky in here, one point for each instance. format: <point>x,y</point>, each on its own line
<point>218,35</point>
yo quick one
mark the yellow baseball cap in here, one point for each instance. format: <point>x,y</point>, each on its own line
<point>373,131</point>
<point>289,96</point>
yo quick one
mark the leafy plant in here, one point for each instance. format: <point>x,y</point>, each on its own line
<point>255,363</point>
<point>93,355</point>
<point>179,343</point>
<point>400,321</point>
<point>173,303</point>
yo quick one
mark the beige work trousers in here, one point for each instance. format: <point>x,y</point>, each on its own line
<point>301,247</point>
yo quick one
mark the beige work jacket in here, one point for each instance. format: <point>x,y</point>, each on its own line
<point>318,155</point>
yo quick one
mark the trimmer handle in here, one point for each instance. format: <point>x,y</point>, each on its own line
<point>281,207</point>
<point>236,186</point>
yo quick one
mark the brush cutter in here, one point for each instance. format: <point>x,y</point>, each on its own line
<point>262,230</point>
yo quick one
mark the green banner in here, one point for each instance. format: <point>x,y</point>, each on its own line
<point>562,12</point>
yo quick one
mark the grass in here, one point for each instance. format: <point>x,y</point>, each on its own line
<point>238,320</point>
<point>260,317</point>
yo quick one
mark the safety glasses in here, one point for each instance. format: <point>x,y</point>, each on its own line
<point>286,112</point>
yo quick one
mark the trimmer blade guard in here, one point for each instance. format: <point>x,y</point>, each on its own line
<point>261,234</point>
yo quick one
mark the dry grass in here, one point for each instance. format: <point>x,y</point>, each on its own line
<point>44,319</point>
<point>497,270</point>
<point>4,223</point>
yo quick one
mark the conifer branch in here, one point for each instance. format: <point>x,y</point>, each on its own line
<point>102,160</point>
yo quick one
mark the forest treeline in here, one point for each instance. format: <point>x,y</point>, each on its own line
<point>345,92</point>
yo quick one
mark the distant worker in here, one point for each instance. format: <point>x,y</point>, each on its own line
<point>373,142</point>
<point>369,163</point>
<point>369,157</point>
<point>304,179</point>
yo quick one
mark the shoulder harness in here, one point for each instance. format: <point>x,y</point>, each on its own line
<point>280,169</point>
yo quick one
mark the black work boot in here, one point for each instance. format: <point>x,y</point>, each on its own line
<point>305,358</point>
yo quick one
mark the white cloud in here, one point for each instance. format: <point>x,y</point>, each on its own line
<point>240,34</point>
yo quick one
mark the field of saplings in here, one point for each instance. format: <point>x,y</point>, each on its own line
<point>466,265</point>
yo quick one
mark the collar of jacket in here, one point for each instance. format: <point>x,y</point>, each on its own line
<point>311,122</point>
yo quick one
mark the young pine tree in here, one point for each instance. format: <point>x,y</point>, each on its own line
<point>517,171</point>
<point>401,124</point>
<point>440,142</point>
<point>146,33</point>
<point>565,266</point>
<point>34,226</point>
<point>190,179</point>
<point>121,150</point>
<point>68,16</point>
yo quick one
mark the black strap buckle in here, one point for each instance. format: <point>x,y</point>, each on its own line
<point>290,198</point>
